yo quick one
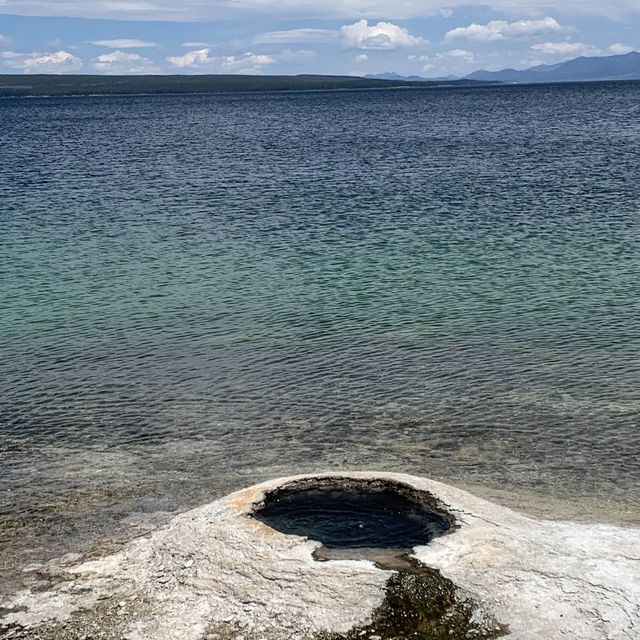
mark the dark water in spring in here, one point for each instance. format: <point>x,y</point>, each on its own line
<point>354,519</point>
<point>200,292</point>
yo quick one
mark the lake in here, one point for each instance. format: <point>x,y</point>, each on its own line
<point>201,292</point>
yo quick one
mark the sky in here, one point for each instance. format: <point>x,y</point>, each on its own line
<point>429,38</point>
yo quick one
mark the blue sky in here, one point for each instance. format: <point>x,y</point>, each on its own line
<point>422,37</point>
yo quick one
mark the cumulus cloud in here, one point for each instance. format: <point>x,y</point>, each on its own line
<point>123,43</point>
<point>565,48</point>
<point>618,48</point>
<point>459,54</point>
<point>200,59</point>
<point>244,63</point>
<point>5,41</point>
<point>122,63</point>
<point>361,57</point>
<point>36,62</point>
<point>455,58</point>
<point>319,36</point>
<point>503,30</point>
<point>382,36</point>
<point>195,58</point>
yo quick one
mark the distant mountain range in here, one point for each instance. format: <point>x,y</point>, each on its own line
<point>584,69</point>
<point>397,77</point>
<point>625,67</point>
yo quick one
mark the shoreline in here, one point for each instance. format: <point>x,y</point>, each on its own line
<point>394,85</point>
<point>216,569</point>
<point>578,509</point>
<point>43,85</point>
<point>118,531</point>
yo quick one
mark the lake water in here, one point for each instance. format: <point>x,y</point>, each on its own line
<point>201,292</point>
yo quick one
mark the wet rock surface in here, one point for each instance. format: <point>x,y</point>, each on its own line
<point>420,603</point>
<point>218,572</point>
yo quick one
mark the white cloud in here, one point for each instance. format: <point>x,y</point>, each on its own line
<point>200,59</point>
<point>382,36</point>
<point>244,63</point>
<point>445,61</point>
<point>565,48</point>
<point>195,58</point>
<point>123,43</point>
<point>5,41</point>
<point>288,56</point>
<point>297,35</point>
<point>459,54</point>
<point>503,30</point>
<point>618,48</point>
<point>452,54</point>
<point>35,62</point>
<point>193,10</point>
<point>122,63</point>
<point>197,45</point>
<point>361,57</point>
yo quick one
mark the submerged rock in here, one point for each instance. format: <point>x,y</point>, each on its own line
<point>219,572</point>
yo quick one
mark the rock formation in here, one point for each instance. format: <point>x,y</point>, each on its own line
<point>218,572</point>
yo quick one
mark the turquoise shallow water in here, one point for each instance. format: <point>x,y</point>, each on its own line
<point>199,292</point>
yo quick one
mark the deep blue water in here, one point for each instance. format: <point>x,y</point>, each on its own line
<point>199,292</point>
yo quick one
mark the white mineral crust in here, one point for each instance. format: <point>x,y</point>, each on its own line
<point>215,572</point>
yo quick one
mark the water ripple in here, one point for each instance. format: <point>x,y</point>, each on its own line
<point>202,291</point>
